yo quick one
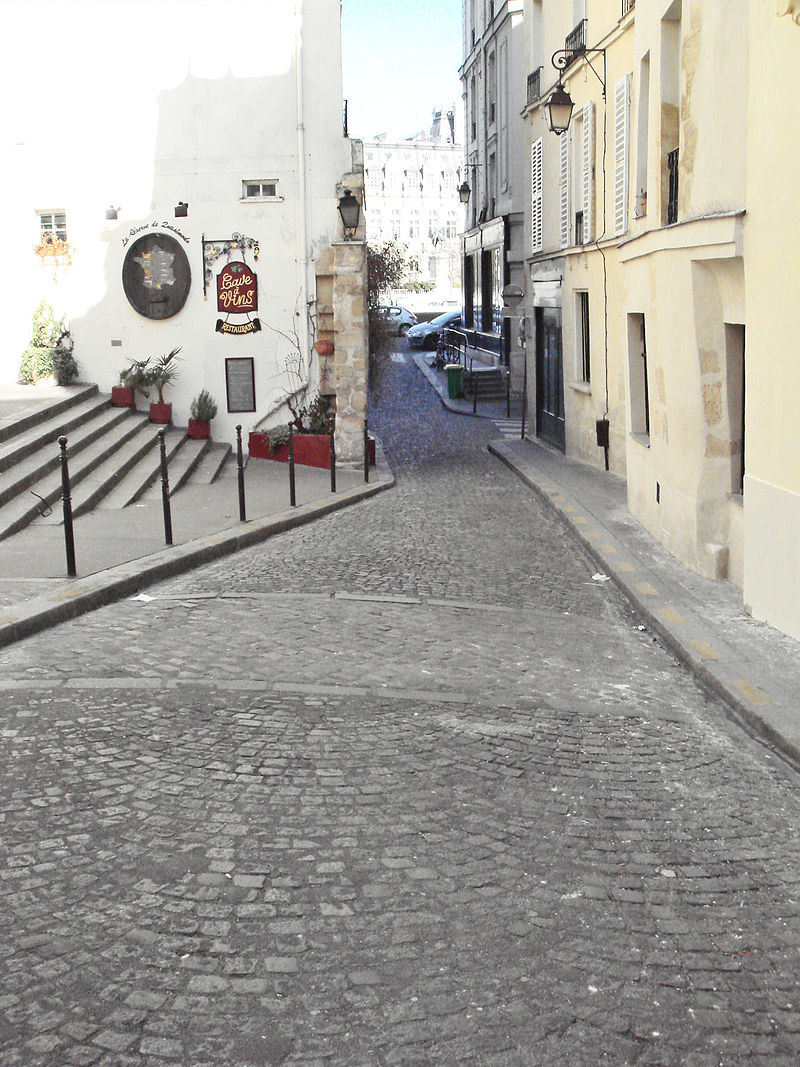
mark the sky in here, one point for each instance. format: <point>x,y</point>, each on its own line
<point>400,60</point>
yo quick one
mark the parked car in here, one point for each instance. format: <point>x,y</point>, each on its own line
<point>427,334</point>
<point>397,319</point>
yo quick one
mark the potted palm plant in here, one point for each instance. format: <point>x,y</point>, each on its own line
<point>132,380</point>
<point>162,374</point>
<point>204,408</point>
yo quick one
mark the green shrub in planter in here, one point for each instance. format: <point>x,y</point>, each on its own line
<point>278,435</point>
<point>204,406</point>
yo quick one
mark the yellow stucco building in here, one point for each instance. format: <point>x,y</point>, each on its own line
<point>660,236</point>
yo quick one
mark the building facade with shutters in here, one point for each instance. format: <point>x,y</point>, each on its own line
<point>660,240</point>
<point>412,197</point>
<point>492,77</point>
<point>577,212</point>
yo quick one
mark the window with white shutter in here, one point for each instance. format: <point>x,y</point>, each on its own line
<point>622,108</point>
<point>563,185</point>
<point>588,171</point>
<point>536,196</point>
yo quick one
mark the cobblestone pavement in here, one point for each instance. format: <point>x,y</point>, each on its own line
<point>405,786</point>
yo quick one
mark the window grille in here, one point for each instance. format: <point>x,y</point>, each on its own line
<point>628,5</point>
<point>672,203</point>
<point>534,85</point>
<point>575,43</point>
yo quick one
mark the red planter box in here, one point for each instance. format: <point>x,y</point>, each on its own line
<point>122,396</point>
<point>310,449</point>
<point>161,413</point>
<point>198,430</point>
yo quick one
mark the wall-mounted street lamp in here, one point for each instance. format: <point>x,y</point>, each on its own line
<point>181,210</point>
<point>464,190</point>
<point>350,211</point>
<point>558,109</point>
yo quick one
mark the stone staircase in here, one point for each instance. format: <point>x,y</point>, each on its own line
<point>114,458</point>
<point>489,382</point>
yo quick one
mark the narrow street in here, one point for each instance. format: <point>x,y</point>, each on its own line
<point>402,786</point>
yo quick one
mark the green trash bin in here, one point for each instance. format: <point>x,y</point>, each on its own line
<point>454,372</point>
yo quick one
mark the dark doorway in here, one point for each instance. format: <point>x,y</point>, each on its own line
<point>549,377</point>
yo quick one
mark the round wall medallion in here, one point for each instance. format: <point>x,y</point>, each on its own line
<point>156,276</point>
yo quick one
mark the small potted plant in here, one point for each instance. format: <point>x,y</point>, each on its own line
<point>162,374</point>
<point>132,380</point>
<point>204,408</point>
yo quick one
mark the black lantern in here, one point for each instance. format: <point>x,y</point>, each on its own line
<point>464,192</point>
<point>559,110</point>
<point>181,210</point>
<point>350,210</point>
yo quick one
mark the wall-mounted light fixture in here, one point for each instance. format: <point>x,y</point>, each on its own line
<point>112,213</point>
<point>464,190</point>
<point>350,211</point>
<point>181,210</point>
<point>559,105</point>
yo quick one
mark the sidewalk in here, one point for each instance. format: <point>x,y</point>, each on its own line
<point>121,551</point>
<point>754,668</point>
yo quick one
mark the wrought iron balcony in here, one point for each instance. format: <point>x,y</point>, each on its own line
<point>575,43</point>
<point>628,5</point>
<point>534,85</point>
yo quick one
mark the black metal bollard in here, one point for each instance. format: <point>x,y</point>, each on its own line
<point>66,497</point>
<point>240,469</point>
<point>292,493</point>
<point>474,391</point>
<point>165,488</point>
<point>508,392</point>
<point>332,456</point>
<point>366,451</point>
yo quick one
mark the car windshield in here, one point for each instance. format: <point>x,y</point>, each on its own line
<point>442,320</point>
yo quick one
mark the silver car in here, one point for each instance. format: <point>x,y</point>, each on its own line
<point>397,320</point>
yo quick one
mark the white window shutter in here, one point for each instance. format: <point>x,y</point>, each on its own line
<point>536,196</point>
<point>563,185</point>
<point>621,154</point>
<point>588,171</point>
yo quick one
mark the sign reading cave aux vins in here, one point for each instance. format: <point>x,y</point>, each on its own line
<point>237,290</point>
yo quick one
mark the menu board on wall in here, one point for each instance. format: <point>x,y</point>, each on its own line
<point>240,384</point>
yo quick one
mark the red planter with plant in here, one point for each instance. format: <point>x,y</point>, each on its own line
<point>161,413</point>
<point>310,450</point>
<point>198,430</point>
<point>258,445</point>
<point>122,396</point>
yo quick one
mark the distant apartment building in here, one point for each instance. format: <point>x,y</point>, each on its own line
<point>412,196</point>
<point>493,88</point>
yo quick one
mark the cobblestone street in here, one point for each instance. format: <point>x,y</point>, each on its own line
<point>402,786</point>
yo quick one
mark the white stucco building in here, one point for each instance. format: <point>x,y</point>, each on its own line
<point>412,195</point>
<point>233,111</point>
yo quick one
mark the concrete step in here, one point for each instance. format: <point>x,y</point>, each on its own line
<point>26,505</point>
<point>179,468</point>
<point>106,424</point>
<point>49,429</point>
<point>145,472</point>
<point>212,463</point>
<point>116,471</point>
<point>69,396</point>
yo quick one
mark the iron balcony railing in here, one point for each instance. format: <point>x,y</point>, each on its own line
<point>672,203</point>
<point>628,5</point>
<point>535,85</point>
<point>575,43</point>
